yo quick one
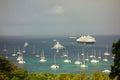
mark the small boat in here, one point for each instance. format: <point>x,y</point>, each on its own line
<point>6,53</point>
<point>94,60</point>
<point>106,52</point>
<point>54,66</point>
<point>18,52</point>
<point>42,57</point>
<point>37,55</point>
<point>67,60</point>
<point>24,51</point>
<point>65,54</point>
<point>105,59</point>
<point>87,59</point>
<point>78,61</point>
<point>72,37</point>
<point>83,65</point>
<point>106,71</point>
<point>33,52</point>
<point>99,57</point>
<point>14,53</point>
<point>20,59</point>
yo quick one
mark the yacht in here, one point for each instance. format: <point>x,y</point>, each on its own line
<point>14,53</point>
<point>20,58</point>
<point>42,57</point>
<point>106,71</point>
<point>86,39</point>
<point>99,57</point>
<point>78,60</point>
<point>67,60</point>
<point>94,60</point>
<point>38,54</point>
<point>54,66</point>
<point>83,65</point>
<point>106,52</point>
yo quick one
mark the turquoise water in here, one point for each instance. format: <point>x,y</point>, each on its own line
<point>33,65</point>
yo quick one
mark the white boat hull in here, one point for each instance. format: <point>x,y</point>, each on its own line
<point>54,67</point>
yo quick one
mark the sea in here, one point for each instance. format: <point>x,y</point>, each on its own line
<point>33,65</point>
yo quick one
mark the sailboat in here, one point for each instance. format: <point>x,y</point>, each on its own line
<point>106,52</point>
<point>105,59</point>
<point>25,44</point>
<point>37,55</point>
<point>42,57</point>
<point>54,66</point>
<point>87,59</point>
<point>106,71</point>
<point>6,53</point>
<point>57,46</point>
<point>24,51</point>
<point>20,58</point>
<point>92,55</point>
<point>33,52</point>
<point>99,57</point>
<point>64,54</point>
<point>78,61</point>
<point>83,65</point>
<point>67,60</point>
<point>94,60</point>
<point>14,52</point>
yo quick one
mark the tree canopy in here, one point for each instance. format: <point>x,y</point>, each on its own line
<point>115,69</point>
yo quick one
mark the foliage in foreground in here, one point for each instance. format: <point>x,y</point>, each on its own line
<point>115,69</point>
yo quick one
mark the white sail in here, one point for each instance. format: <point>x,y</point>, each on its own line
<point>25,44</point>
<point>57,46</point>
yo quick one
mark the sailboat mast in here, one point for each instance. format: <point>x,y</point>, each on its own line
<point>55,59</point>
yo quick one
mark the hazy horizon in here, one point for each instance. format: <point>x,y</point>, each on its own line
<point>59,17</point>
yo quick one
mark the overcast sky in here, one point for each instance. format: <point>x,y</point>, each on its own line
<point>59,17</point>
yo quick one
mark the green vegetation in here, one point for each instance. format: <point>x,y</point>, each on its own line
<point>9,71</point>
<point>115,69</point>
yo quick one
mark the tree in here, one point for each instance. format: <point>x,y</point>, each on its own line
<point>20,73</point>
<point>6,67</point>
<point>115,69</point>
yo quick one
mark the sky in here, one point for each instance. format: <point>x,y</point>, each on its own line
<point>59,17</point>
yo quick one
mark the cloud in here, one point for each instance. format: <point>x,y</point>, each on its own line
<point>57,9</point>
